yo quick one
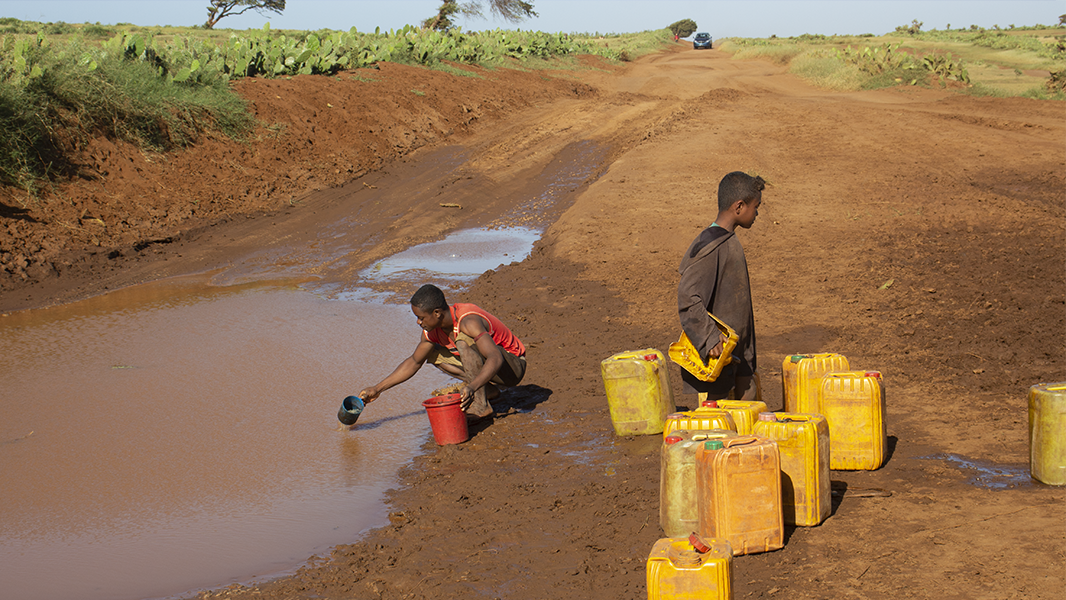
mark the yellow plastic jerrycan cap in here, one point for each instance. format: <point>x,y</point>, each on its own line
<point>712,445</point>
<point>672,439</point>
<point>709,404</point>
<point>767,416</point>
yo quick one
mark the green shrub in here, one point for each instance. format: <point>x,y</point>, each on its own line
<point>97,31</point>
<point>1056,82</point>
<point>55,97</point>
<point>58,28</point>
<point>781,54</point>
<point>826,71</point>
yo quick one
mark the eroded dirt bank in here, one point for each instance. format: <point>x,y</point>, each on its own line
<point>918,232</point>
<point>129,208</point>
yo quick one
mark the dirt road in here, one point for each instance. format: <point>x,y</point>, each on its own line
<point>919,232</point>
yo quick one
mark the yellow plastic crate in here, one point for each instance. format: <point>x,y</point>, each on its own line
<point>684,353</point>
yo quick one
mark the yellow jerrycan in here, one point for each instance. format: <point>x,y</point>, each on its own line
<point>1047,433</point>
<point>677,479</point>
<point>803,443</point>
<point>738,492</point>
<point>708,418</point>
<point>744,412</point>
<point>853,404</point>
<point>801,379</point>
<point>690,568</point>
<point>638,391</point>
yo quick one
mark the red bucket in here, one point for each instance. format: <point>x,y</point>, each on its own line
<point>447,419</point>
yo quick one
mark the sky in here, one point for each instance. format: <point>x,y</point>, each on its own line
<point>720,18</point>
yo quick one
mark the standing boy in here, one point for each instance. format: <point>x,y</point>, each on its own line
<point>464,341</point>
<point>714,278</point>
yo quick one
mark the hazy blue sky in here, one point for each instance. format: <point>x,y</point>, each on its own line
<point>721,18</point>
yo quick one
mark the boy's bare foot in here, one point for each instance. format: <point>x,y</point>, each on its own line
<point>479,405</point>
<point>491,392</point>
<point>474,418</point>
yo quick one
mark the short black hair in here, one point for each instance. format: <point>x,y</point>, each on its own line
<point>738,185</point>
<point>428,298</point>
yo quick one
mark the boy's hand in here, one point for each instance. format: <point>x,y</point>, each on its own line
<point>717,350</point>
<point>369,394</point>
<point>466,396</point>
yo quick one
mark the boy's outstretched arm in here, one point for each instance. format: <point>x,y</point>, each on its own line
<point>404,371</point>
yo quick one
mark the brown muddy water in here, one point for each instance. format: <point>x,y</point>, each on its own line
<point>181,435</point>
<point>177,436</point>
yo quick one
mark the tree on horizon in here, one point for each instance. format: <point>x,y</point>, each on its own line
<point>509,10</point>
<point>217,9</point>
<point>683,28</point>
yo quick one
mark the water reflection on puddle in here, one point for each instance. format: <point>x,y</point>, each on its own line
<point>175,436</point>
<point>462,256</point>
<point>985,474</point>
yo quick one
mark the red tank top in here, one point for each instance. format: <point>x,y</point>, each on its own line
<point>501,335</point>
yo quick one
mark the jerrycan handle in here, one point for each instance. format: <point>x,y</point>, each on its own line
<point>743,440</point>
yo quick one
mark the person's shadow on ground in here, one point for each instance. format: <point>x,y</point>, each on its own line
<point>519,399</point>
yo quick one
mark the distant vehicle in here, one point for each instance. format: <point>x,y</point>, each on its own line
<point>702,40</point>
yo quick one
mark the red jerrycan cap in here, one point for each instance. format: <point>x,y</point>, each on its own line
<point>876,374</point>
<point>709,404</point>
<point>672,439</point>
<point>698,544</point>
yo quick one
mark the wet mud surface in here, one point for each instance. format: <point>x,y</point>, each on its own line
<point>919,232</point>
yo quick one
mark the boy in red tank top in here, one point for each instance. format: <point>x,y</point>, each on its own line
<point>464,341</point>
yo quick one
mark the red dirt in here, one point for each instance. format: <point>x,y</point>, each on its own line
<point>919,232</point>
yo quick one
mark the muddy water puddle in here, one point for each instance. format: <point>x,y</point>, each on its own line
<point>460,257</point>
<point>986,474</point>
<point>182,435</point>
<point>178,436</point>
